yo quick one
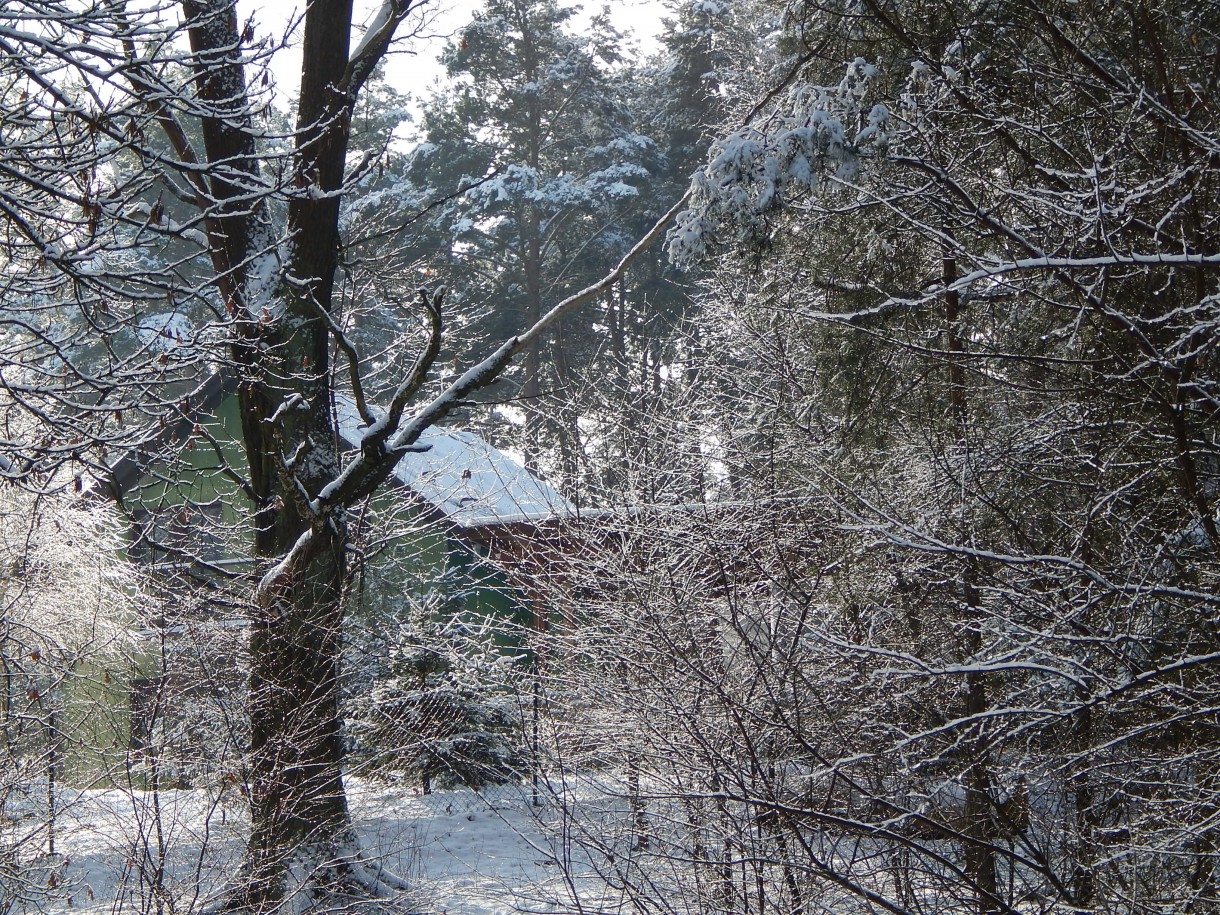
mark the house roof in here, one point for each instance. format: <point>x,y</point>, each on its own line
<point>470,482</point>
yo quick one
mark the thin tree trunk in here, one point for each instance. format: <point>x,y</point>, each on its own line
<point>979,832</point>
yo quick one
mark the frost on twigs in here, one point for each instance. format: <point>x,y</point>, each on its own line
<point>63,580</point>
<point>814,137</point>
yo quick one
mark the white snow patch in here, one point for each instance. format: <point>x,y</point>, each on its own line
<point>466,853</point>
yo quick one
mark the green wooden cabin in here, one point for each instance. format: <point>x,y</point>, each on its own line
<point>427,534</point>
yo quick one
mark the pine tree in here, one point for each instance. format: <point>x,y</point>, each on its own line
<point>438,710</point>
<point>539,165</point>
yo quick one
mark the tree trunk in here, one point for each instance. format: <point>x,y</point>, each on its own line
<point>299,810</point>
<point>531,250</point>
<point>531,389</point>
<point>302,846</point>
<point>979,833</point>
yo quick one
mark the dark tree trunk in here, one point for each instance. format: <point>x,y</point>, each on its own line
<point>302,840</point>
<point>299,810</point>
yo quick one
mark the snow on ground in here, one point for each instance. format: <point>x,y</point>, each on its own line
<point>468,854</point>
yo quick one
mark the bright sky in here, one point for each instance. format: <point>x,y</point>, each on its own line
<point>412,66</point>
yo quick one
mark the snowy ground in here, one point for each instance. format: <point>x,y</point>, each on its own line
<point>468,854</point>
<point>473,855</point>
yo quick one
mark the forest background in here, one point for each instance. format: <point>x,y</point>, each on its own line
<point>870,344</point>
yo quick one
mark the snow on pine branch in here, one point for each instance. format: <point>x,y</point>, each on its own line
<point>814,136</point>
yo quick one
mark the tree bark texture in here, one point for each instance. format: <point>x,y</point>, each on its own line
<point>300,819</point>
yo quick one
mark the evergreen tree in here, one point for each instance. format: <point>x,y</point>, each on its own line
<point>962,374</point>
<point>538,166</point>
<point>438,710</point>
<point>644,375</point>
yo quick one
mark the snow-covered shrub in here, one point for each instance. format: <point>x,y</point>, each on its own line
<point>430,696</point>
<point>68,602</point>
<point>188,708</point>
